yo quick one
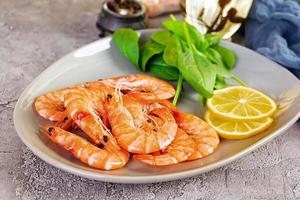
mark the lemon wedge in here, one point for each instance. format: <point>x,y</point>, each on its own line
<point>241,103</point>
<point>236,130</point>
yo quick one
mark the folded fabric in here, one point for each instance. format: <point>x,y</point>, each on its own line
<point>273,29</point>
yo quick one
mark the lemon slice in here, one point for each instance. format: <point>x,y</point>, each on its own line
<point>241,103</point>
<point>237,129</point>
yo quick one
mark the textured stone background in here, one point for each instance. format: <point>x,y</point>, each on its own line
<point>33,34</point>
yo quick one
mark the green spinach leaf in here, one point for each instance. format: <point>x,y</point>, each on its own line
<point>162,70</point>
<point>228,56</point>
<point>220,83</point>
<point>212,39</point>
<point>170,54</point>
<point>177,27</point>
<point>202,79</point>
<point>126,40</point>
<point>167,73</point>
<point>196,69</point>
<point>149,49</point>
<point>216,58</point>
<point>161,37</point>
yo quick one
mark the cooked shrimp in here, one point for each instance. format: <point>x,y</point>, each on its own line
<point>143,97</point>
<point>86,106</point>
<point>100,158</point>
<point>142,83</point>
<point>51,105</point>
<point>178,151</point>
<point>206,139</point>
<point>136,129</point>
<point>66,124</point>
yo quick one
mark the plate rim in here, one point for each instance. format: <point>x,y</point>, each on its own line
<point>144,178</point>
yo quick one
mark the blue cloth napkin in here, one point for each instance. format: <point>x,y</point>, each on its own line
<point>273,29</point>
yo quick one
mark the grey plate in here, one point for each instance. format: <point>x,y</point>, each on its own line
<point>101,60</point>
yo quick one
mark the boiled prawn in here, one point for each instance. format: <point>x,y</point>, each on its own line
<point>206,138</point>
<point>178,151</point>
<point>136,129</point>
<point>85,105</point>
<point>142,83</point>
<point>97,157</point>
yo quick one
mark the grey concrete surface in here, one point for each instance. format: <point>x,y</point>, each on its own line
<point>33,34</point>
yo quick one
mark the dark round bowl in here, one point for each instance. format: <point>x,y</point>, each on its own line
<point>110,21</point>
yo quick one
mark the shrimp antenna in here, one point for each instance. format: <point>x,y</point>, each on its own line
<point>102,125</point>
<point>118,93</point>
<point>151,118</point>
